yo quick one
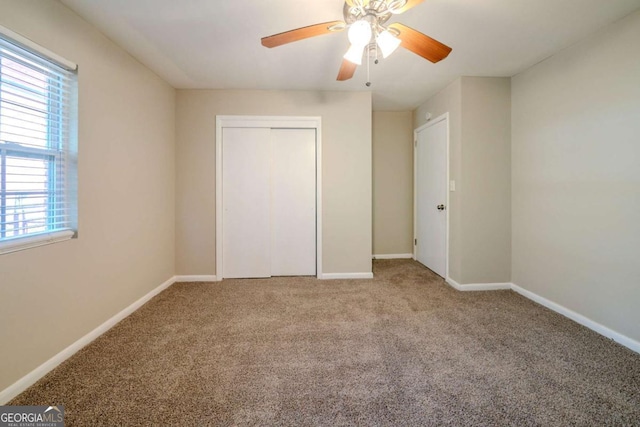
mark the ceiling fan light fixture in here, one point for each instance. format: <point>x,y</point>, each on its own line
<point>354,54</point>
<point>360,33</point>
<point>387,43</point>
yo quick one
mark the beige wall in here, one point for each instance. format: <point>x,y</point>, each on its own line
<point>346,171</point>
<point>53,295</point>
<point>479,163</point>
<point>486,175</point>
<point>576,178</point>
<point>392,183</point>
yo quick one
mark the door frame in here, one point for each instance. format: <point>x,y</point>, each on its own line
<point>282,122</point>
<point>444,117</point>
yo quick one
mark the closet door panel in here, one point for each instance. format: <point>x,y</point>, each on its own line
<point>246,202</point>
<point>293,202</point>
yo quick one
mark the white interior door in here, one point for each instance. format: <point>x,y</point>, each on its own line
<point>246,231</point>
<point>269,202</point>
<point>431,197</point>
<point>293,202</point>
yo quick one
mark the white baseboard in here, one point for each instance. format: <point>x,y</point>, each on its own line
<point>28,380</point>
<point>201,278</point>
<point>478,286</point>
<point>393,256</point>
<point>579,318</point>
<point>334,276</point>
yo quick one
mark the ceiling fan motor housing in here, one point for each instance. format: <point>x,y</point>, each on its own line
<point>374,12</point>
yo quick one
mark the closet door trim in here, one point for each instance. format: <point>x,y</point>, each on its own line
<point>286,122</point>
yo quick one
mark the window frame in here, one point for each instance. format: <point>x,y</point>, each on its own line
<point>60,151</point>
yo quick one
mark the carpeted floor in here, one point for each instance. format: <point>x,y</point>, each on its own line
<point>402,349</point>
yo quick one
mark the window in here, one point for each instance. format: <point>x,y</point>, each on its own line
<point>38,149</point>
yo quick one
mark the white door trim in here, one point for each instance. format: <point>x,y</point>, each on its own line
<point>286,122</point>
<point>443,117</point>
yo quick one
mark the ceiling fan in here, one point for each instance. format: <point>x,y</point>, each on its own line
<point>368,33</point>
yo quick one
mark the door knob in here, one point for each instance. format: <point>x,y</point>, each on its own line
<point>441,207</point>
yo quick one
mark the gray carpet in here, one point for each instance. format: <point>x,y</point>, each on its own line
<point>402,349</point>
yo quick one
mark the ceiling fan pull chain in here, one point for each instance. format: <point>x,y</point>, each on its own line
<point>368,84</point>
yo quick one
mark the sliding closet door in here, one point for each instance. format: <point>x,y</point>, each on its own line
<point>293,202</point>
<point>246,202</point>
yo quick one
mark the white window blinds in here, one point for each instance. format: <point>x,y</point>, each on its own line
<point>38,148</point>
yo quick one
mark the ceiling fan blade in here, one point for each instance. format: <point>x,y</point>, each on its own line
<point>407,6</point>
<point>303,33</point>
<point>347,69</point>
<point>421,44</point>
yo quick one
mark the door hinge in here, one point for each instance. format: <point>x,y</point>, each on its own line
<point>415,142</point>
<point>415,242</point>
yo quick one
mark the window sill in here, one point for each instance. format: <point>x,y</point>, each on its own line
<point>21,243</point>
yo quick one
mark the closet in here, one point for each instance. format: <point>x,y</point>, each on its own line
<point>268,201</point>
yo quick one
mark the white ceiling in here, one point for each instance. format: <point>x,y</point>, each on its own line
<point>215,44</point>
